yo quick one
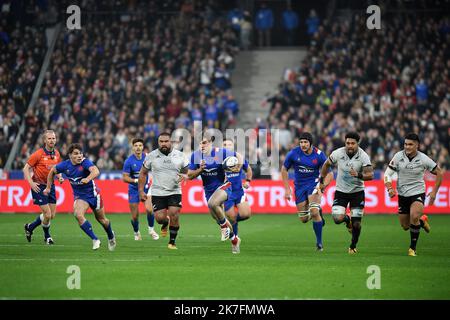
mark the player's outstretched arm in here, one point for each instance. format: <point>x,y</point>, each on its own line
<point>94,173</point>
<point>126,178</point>
<point>285,178</point>
<point>192,174</point>
<point>438,173</point>
<point>324,171</point>
<point>367,173</point>
<point>50,178</point>
<point>248,177</point>
<point>143,173</point>
<point>388,181</point>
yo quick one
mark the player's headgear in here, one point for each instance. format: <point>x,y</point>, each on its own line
<point>412,136</point>
<point>352,135</point>
<point>306,136</point>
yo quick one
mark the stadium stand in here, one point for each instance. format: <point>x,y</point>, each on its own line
<point>22,49</point>
<point>379,85</point>
<point>136,73</point>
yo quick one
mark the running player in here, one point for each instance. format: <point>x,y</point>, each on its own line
<point>81,173</point>
<point>410,165</point>
<point>354,167</point>
<point>40,163</point>
<point>130,175</point>
<point>166,164</point>
<point>237,198</point>
<point>307,161</point>
<point>207,163</point>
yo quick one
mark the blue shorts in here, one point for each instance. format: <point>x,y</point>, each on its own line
<point>302,192</point>
<point>133,195</point>
<point>95,202</point>
<point>236,197</point>
<point>225,187</point>
<point>41,199</point>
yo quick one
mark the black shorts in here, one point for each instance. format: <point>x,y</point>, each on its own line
<point>404,203</point>
<point>355,199</point>
<point>164,202</point>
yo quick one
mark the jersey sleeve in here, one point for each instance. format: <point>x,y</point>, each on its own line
<point>86,164</point>
<point>127,167</point>
<point>333,157</point>
<point>394,163</point>
<point>60,167</point>
<point>245,165</point>
<point>429,164</point>
<point>288,161</point>
<point>185,160</point>
<point>148,162</point>
<point>34,158</point>
<point>322,159</point>
<point>365,159</point>
<point>192,164</point>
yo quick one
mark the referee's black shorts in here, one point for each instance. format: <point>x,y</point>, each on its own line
<point>164,202</point>
<point>404,203</point>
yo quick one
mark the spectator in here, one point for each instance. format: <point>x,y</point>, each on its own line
<point>264,24</point>
<point>290,25</point>
<point>246,31</point>
<point>312,23</point>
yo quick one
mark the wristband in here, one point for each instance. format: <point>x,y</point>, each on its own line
<point>136,180</point>
<point>248,180</point>
<point>360,175</point>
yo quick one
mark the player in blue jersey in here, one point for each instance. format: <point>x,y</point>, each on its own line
<point>306,161</point>
<point>237,199</point>
<point>81,173</point>
<point>130,175</point>
<point>207,163</point>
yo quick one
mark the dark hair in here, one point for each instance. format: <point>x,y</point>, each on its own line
<point>412,136</point>
<point>306,136</point>
<point>164,134</point>
<point>352,135</point>
<point>74,146</point>
<point>136,140</point>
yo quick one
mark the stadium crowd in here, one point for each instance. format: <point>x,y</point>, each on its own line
<point>127,75</point>
<point>22,49</point>
<point>381,83</point>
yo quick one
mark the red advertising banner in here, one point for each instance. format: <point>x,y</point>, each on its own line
<point>264,196</point>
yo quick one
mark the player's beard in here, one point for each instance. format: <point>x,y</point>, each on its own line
<point>164,150</point>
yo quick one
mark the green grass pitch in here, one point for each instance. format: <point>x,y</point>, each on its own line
<point>277,261</point>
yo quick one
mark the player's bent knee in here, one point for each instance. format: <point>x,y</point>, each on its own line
<point>314,209</point>
<point>337,213</point>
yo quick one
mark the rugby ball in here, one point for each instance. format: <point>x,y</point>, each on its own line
<point>229,162</point>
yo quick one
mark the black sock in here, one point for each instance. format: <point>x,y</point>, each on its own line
<point>356,231</point>
<point>164,224</point>
<point>173,234</point>
<point>421,223</point>
<point>347,220</point>
<point>414,231</point>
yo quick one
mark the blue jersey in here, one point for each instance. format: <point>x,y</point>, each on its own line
<point>213,176</point>
<point>132,166</point>
<point>236,177</point>
<point>75,173</point>
<point>306,166</point>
